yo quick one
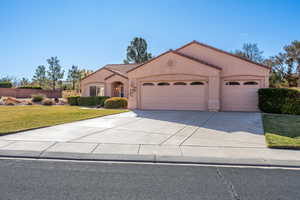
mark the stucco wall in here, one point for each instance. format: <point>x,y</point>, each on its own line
<point>96,79</point>
<point>231,66</point>
<point>174,67</point>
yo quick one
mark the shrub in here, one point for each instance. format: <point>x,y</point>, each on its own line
<point>28,103</point>
<point>92,101</point>
<point>38,97</point>
<point>47,102</point>
<point>279,100</point>
<point>5,84</point>
<point>116,102</point>
<point>73,101</point>
<point>30,87</point>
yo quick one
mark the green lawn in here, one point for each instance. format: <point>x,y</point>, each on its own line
<point>282,131</point>
<point>19,118</point>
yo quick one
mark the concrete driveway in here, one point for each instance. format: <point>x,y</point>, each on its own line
<point>155,136</point>
<point>180,128</point>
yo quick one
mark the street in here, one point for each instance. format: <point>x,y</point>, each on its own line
<point>59,180</point>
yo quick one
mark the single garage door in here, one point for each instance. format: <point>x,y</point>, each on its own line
<point>240,95</point>
<point>174,95</point>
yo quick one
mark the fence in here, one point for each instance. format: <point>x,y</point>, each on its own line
<point>26,93</point>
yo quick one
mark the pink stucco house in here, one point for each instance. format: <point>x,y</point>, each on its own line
<point>193,77</point>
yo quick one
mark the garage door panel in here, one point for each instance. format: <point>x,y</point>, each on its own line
<point>240,97</point>
<point>174,97</point>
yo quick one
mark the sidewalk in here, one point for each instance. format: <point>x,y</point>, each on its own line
<point>150,153</point>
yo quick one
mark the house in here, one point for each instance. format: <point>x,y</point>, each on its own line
<point>195,76</point>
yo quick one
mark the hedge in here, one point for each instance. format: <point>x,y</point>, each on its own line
<point>87,101</point>
<point>30,87</point>
<point>73,101</point>
<point>38,97</point>
<point>5,84</point>
<point>116,102</point>
<point>279,100</point>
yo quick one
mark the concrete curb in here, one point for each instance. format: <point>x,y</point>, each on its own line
<point>148,158</point>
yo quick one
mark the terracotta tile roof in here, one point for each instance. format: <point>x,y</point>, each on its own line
<point>122,68</point>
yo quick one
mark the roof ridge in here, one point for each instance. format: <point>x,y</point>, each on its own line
<point>125,64</point>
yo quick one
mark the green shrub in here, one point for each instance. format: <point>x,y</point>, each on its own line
<point>47,102</point>
<point>37,97</point>
<point>92,101</point>
<point>30,87</point>
<point>5,84</point>
<point>116,102</point>
<point>73,101</point>
<point>279,100</point>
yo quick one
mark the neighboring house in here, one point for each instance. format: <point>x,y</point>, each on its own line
<point>193,77</point>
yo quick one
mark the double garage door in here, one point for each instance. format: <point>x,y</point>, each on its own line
<point>174,95</point>
<point>240,95</point>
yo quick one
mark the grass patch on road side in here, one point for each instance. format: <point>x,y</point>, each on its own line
<point>20,118</point>
<point>282,131</point>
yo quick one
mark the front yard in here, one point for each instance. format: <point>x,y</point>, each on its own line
<point>19,118</point>
<point>282,131</point>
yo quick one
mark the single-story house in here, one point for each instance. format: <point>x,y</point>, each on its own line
<point>195,76</point>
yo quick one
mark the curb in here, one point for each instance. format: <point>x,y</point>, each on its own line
<point>148,159</point>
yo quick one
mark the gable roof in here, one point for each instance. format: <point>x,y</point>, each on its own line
<point>180,54</point>
<point>224,52</point>
<point>120,69</point>
<point>115,72</point>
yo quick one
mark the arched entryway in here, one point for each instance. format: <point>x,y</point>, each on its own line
<point>117,89</point>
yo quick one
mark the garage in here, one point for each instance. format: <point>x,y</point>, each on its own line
<point>240,95</point>
<point>174,95</point>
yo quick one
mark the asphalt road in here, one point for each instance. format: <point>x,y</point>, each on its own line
<point>59,180</point>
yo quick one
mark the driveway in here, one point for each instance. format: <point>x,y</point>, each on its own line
<point>155,136</point>
<point>180,128</point>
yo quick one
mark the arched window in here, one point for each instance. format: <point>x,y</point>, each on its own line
<point>251,83</point>
<point>148,84</point>
<point>197,83</point>
<point>179,83</point>
<point>232,83</point>
<point>163,84</point>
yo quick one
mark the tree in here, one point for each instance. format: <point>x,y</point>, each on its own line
<point>85,72</point>
<point>55,73</point>
<point>24,82</point>
<point>74,76</point>
<point>293,58</point>
<point>137,51</point>
<point>251,52</point>
<point>40,76</point>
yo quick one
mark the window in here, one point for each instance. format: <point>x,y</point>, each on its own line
<point>197,83</point>
<point>232,83</point>
<point>179,83</point>
<point>251,83</point>
<point>92,91</point>
<point>96,90</point>
<point>163,84</point>
<point>148,84</point>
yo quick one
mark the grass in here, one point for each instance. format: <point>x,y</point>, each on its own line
<point>19,118</point>
<point>282,131</point>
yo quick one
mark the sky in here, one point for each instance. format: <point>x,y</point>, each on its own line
<point>92,33</point>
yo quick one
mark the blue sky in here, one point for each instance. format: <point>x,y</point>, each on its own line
<point>92,33</point>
